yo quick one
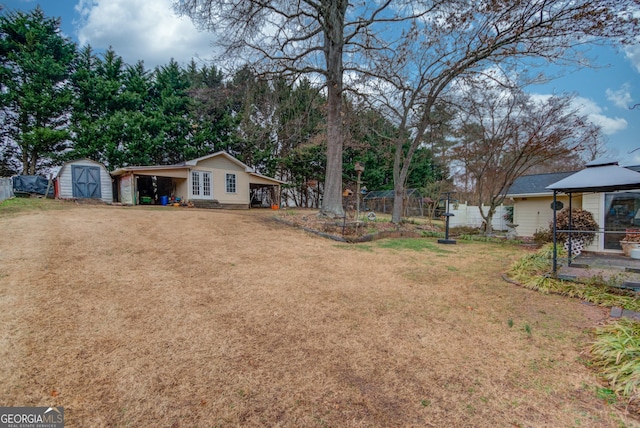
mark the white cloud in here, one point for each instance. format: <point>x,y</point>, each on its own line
<point>145,30</point>
<point>622,97</point>
<point>609,125</point>
<point>633,55</point>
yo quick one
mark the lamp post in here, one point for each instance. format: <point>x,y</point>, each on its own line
<point>447,215</point>
<point>359,170</point>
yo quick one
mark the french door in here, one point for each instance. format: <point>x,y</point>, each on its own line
<point>201,185</point>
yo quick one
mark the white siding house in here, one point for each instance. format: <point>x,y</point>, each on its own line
<point>217,180</point>
<point>600,189</point>
<point>532,202</point>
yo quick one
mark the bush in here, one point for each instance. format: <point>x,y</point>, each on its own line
<point>581,220</point>
<point>464,230</point>
<point>544,236</point>
<point>616,352</point>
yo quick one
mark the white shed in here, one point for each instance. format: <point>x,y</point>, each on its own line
<point>84,179</point>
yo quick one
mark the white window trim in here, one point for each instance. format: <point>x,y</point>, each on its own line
<point>235,183</point>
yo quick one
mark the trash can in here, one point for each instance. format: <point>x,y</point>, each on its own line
<point>164,200</point>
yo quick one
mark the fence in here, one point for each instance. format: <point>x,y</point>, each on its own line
<point>6,188</point>
<point>469,215</point>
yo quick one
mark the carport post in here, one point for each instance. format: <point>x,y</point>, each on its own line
<point>569,233</point>
<point>555,227</point>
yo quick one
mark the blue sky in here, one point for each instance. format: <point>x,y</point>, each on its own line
<point>148,30</point>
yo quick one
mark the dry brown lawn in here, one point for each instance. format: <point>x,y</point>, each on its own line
<point>175,317</point>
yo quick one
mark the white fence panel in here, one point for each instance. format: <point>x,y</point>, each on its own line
<point>469,215</point>
<point>6,188</point>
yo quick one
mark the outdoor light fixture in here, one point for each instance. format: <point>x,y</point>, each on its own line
<point>359,169</point>
<point>447,215</point>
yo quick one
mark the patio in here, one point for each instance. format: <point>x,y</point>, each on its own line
<point>618,270</point>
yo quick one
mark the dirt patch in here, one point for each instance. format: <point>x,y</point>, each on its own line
<point>187,317</point>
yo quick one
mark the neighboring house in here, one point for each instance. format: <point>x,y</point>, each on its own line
<point>84,179</point>
<point>532,202</point>
<point>214,181</point>
<point>614,211</point>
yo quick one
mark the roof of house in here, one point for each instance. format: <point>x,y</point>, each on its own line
<point>536,184</point>
<point>193,162</point>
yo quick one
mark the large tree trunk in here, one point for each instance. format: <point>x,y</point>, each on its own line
<point>333,48</point>
<point>398,203</point>
<point>400,173</point>
<point>332,199</point>
<point>488,219</point>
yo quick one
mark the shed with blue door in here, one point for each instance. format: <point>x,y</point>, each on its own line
<point>84,179</point>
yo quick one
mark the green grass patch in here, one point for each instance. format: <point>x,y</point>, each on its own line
<point>358,247</point>
<point>490,239</point>
<point>616,355</point>
<point>17,205</point>
<point>412,244</point>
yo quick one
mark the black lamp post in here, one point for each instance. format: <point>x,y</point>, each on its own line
<point>359,169</point>
<point>446,239</point>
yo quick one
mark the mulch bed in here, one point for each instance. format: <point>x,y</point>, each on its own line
<point>345,230</point>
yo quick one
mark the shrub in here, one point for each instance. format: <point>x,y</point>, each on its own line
<point>464,230</point>
<point>544,236</point>
<point>616,352</point>
<point>581,220</point>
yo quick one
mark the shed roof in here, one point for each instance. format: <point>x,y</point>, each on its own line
<point>601,175</point>
<point>80,161</point>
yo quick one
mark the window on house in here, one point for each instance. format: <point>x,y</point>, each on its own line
<point>231,183</point>
<point>622,212</point>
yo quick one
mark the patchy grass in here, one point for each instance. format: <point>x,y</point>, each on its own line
<point>412,244</point>
<point>188,317</point>
<point>616,349</point>
<point>17,205</point>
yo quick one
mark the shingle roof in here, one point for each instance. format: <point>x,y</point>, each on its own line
<point>536,183</point>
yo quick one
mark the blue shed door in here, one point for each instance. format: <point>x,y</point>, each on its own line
<point>86,181</point>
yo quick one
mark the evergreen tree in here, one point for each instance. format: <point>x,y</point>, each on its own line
<point>168,115</point>
<point>35,65</point>
<point>213,124</point>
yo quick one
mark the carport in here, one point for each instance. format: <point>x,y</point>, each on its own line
<point>147,184</point>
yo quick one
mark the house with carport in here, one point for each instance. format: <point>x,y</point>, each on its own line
<point>218,180</point>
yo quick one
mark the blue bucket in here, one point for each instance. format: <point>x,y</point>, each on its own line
<point>164,200</point>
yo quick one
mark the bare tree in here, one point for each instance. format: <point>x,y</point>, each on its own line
<point>459,40</point>
<point>414,50</point>
<point>312,37</point>
<point>503,134</point>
